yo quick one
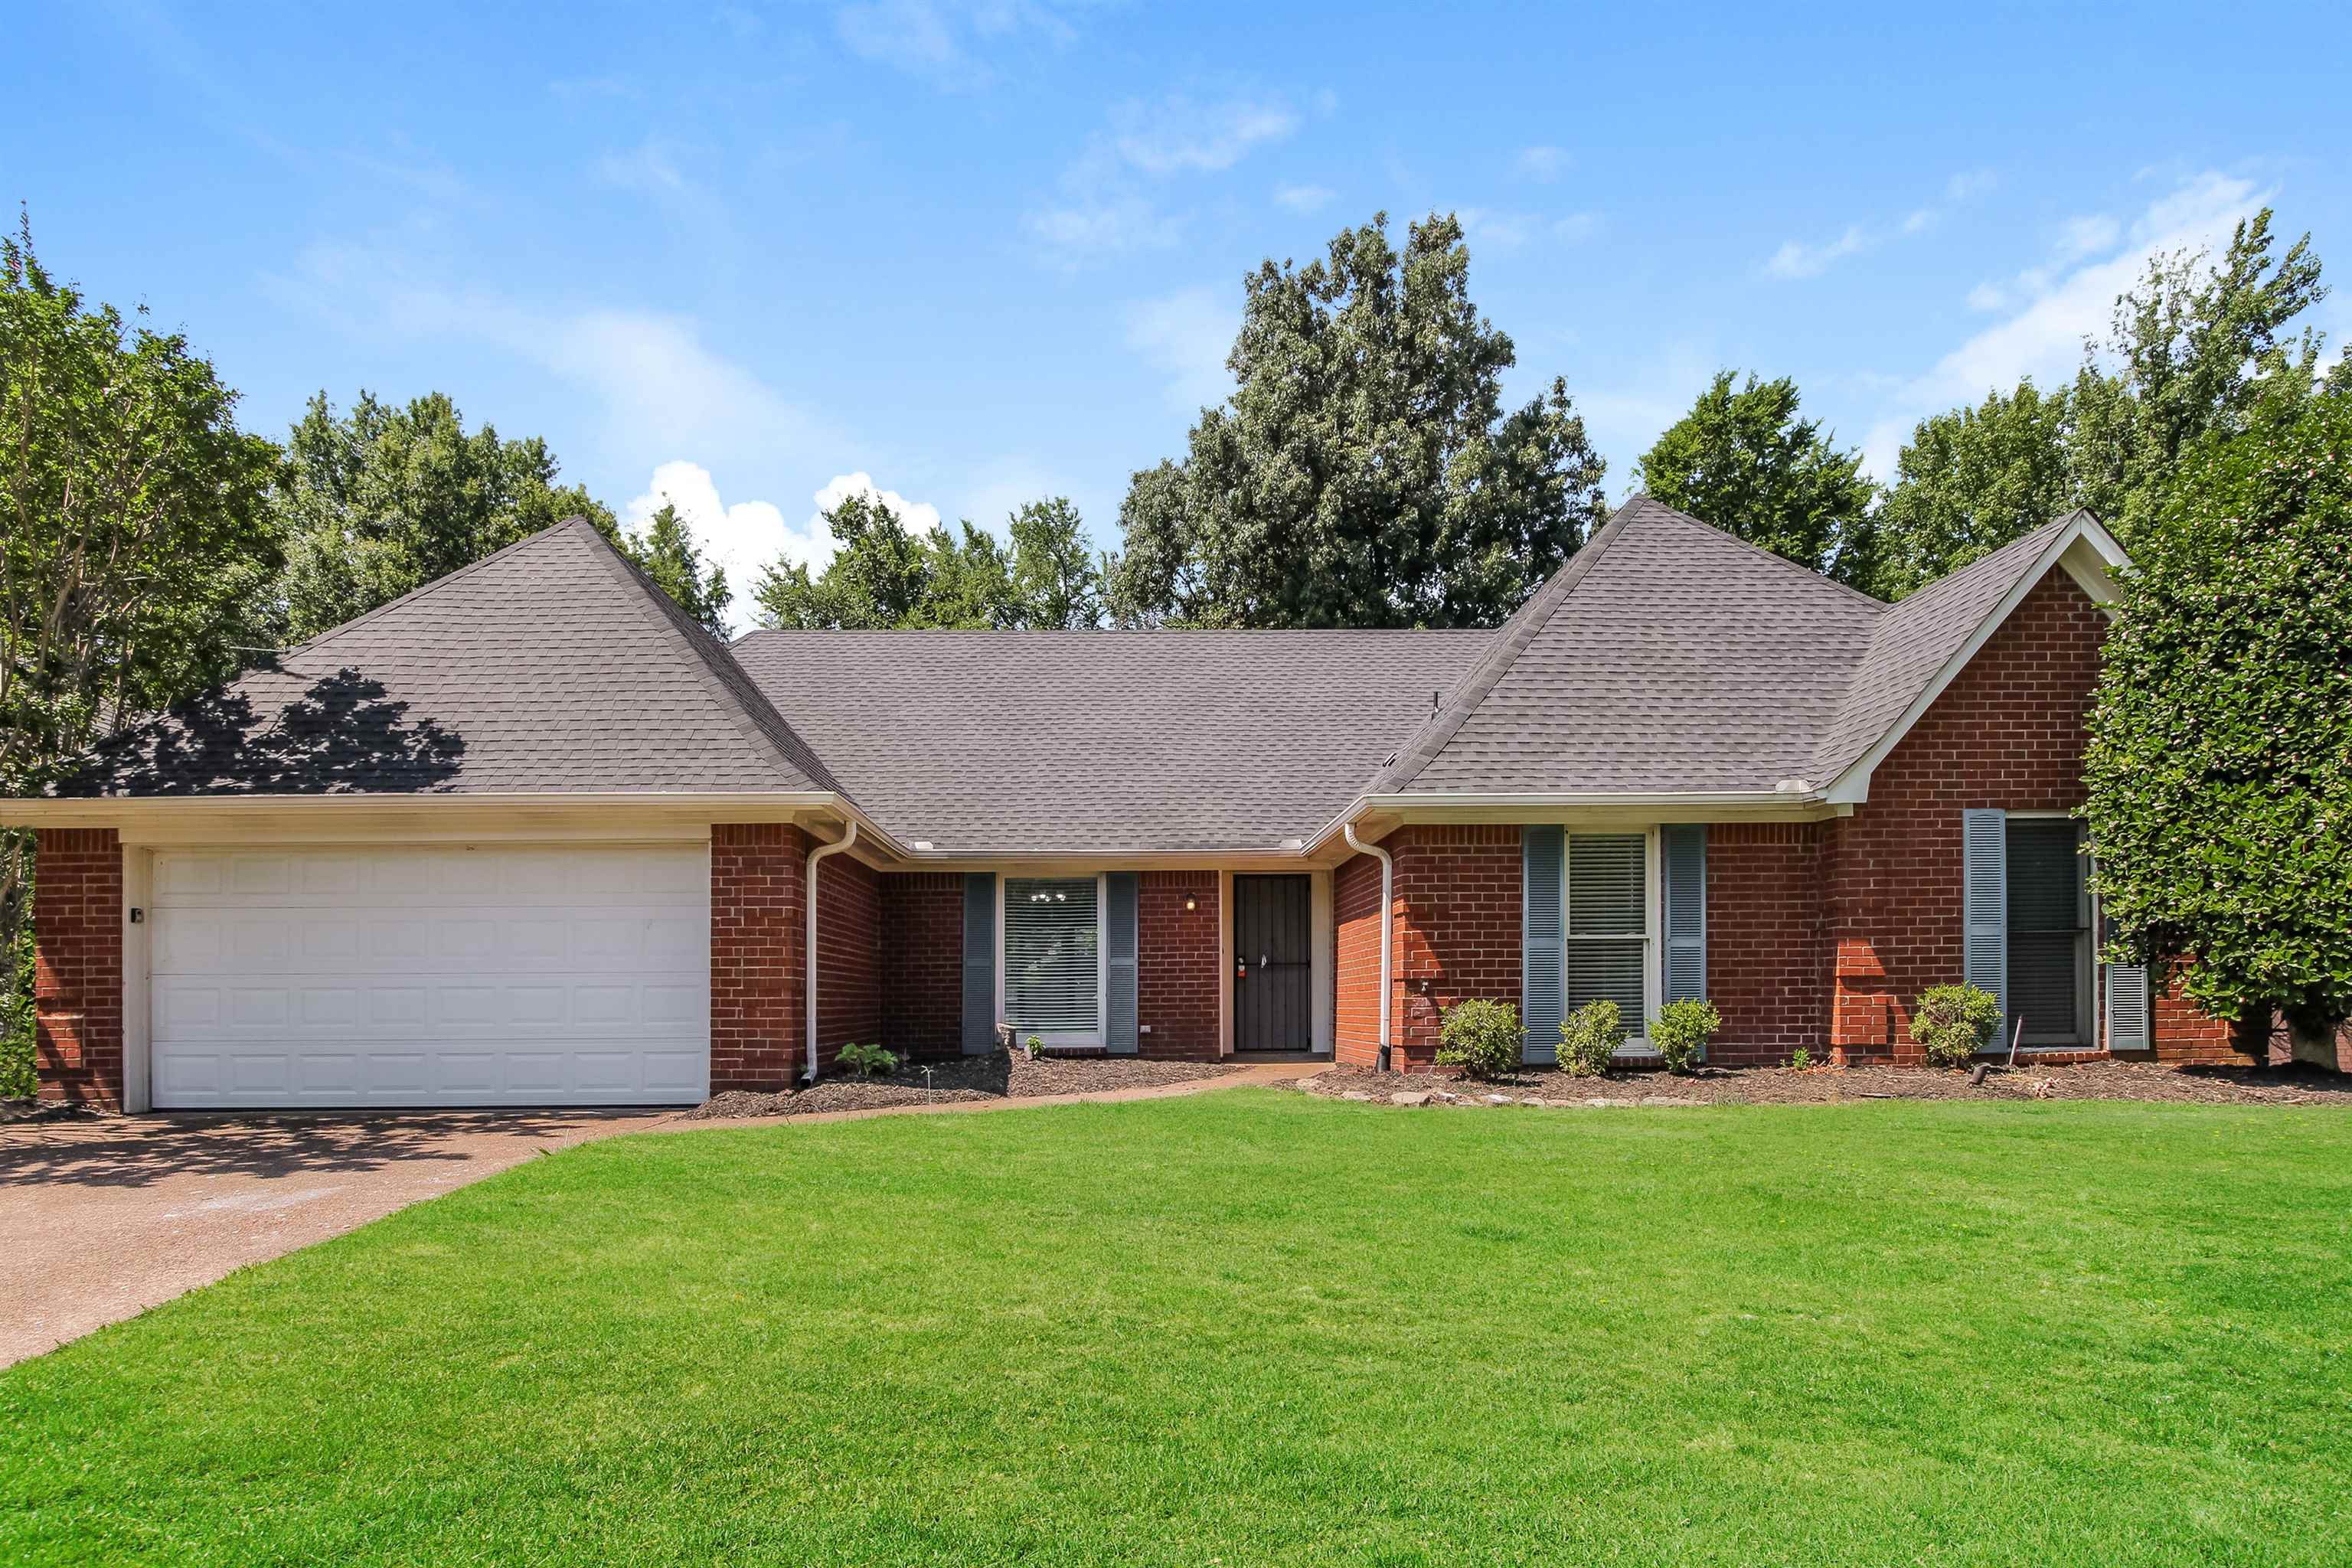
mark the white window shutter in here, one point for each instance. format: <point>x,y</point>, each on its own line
<point>1984,837</point>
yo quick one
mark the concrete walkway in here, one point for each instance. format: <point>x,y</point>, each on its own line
<point>104,1217</point>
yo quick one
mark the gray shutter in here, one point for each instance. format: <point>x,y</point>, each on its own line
<point>2127,1008</point>
<point>1686,884</point>
<point>979,962</point>
<point>1543,937</point>
<point>1984,855</point>
<point>1118,1009</point>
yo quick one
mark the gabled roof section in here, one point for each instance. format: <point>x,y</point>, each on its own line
<point>1666,656</point>
<point>1104,742</point>
<point>553,666</point>
<point>1922,641</point>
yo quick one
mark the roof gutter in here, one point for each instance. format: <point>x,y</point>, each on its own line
<point>1797,795</point>
<point>1388,914</point>
<point>808,944</point>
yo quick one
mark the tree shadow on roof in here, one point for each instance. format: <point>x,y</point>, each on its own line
<point>342,733</point>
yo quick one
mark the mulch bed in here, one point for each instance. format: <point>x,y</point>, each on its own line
<point>1826,1085</point>
<point>1000,1076</point>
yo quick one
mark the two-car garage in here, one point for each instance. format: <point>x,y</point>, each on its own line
<point>448,974</point>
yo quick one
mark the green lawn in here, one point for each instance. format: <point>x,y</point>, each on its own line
<point>1257,1328</point>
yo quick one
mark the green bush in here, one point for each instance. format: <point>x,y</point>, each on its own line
<point>1033,1048</point>
<point>1589,1039</point>
<point>868,1061</point>
<point>1483,1038</point>
<point>1681,1031</point>
<point>1952,1023</point>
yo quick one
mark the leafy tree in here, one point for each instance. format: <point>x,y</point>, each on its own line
<point>1970,481</point>
<point>384,500</point>
<point>1363,472</point>
<point>884,575</point>
<point>1743,460</point>
<point>668,553</point>
<point>135,548</point>
<point>1056,576</point>
<point>2219,769</point>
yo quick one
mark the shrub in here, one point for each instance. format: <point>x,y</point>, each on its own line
<point>1952,1023</point>
<point>1483,1038</point>
<point>1801,1059</point>
<point>868,1061</point>
<point>1589,1038</point>
<point>1033,1048</point>
<point>1681,1031</point>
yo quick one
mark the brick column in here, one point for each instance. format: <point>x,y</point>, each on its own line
<point>1178,977</point>
<point>78,966</point>
<point>757,1012</point>
<point>1456,930</point>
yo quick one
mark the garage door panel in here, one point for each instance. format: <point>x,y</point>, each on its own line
<point>430,976</point>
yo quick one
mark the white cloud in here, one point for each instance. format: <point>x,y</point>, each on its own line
<point>2086,236</point>
<point>1304,198</point>
<point>744,539</point>
<point>920,517</point>
<point>1503,231</point>
<point>1577,227</point>
<point>1108,204</point>
<point>1969,185</point>
<point>946,41</point>
<point>1543,163</point>
<point>2054,309</point>
<point>1798,259</point>
<point>1187,335</point>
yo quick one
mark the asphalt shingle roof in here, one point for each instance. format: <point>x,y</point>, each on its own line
<point>553,666</point>
<point>1032,742</point>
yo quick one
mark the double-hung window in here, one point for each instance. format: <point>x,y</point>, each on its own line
<point>1609,936</point>
<point>1052,959</point>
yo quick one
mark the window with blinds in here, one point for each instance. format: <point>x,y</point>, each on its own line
<point>1053,969</point>
<point>2049,936</point>
<point>1607,924</point>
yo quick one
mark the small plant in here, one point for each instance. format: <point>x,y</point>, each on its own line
<point>1681,1031</point>
<point>1953,1023</point>
<point>1589,1038</point>
<point>1033,1047</point>
<point>1801,1059</point>
<point>868,1061</point>
<point>1483,1038</point>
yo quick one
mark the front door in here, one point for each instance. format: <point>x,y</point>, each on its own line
<point>1273,964</point>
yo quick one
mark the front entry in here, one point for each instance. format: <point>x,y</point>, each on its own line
<point>1274,981</point>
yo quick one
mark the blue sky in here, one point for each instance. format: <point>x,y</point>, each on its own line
<point>751,255</point>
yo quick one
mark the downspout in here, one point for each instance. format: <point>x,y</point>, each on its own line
<point>1388,910</point>
<point>809,946</point>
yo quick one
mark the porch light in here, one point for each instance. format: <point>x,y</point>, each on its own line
<point>1192,904</point>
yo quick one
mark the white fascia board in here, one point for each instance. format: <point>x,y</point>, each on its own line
<point>2084,548</point>
<point>1546,805</point>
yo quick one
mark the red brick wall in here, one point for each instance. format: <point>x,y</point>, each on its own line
<point>757,1018</point>
<point>78,966</point>
<point>1765,971</point>
<point>921,944</point>
<point>1456,928</point>
<point>1176,968</point>
<point>1355,911</point>
<point>2184,1032</point>
<point>848,956</point>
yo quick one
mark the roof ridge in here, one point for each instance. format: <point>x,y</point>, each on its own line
<point>1752,548</point>
<point>1511,640</point>
<point>422,589</point>
<point>728,684</point>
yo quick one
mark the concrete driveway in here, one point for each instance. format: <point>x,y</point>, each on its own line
<point>104,1218</point>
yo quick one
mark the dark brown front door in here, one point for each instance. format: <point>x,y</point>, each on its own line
<point>1273,964</point>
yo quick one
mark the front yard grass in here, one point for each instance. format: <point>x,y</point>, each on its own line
<point>1260,1328</point>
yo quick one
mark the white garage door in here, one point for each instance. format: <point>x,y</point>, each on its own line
<point>458,975</point>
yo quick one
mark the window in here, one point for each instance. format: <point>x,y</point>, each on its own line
<point>1608,924</point>
<point>2049,910</point>
<point>1052,957</point>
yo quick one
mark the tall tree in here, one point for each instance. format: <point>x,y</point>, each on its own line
<point>1056,576</point>
<point>135,547</point>
<point>1972,480</point>
<point>1363,471</point>
<point>2192,348</point>
<point>885,575</point>
<point>1745,461</point>
<point>2219,769</point>
<point>666,553</point>
<point>384,499</point>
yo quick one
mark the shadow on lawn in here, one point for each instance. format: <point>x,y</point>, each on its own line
<point>136,1154</point>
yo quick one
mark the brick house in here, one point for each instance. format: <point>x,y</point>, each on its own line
<point>529,836</point>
